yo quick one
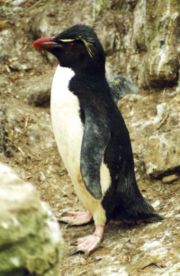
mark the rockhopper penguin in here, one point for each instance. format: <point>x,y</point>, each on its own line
<point>91,135</point>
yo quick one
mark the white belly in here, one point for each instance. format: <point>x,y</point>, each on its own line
<point>67,126</point>
<point>68,131</point>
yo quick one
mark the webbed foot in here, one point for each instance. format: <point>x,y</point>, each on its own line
<point>76,218</point>
<point>89,243</point>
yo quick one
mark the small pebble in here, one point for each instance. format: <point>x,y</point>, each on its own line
<point>170,178</point>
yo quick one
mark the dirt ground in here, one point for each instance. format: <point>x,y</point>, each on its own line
<point>28,145</point>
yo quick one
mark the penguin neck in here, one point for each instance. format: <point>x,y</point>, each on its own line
<point>94,70</point>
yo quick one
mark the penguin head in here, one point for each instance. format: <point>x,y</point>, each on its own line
<point>77,47</point>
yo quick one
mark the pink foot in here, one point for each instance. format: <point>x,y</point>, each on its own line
<point>88,243</point>
<point>76,218</point>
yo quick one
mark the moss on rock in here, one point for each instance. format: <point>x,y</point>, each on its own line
<point>30,239</point>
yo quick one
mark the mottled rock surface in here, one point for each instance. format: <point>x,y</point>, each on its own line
<point>157,140</point>
<point>30,239</point>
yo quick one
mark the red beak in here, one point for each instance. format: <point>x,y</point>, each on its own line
<point>44,43</point>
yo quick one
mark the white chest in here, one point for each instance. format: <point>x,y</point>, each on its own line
<point>68,131</point>
<point>66,123</point>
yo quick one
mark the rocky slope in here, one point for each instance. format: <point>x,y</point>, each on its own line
<point>141,39</point>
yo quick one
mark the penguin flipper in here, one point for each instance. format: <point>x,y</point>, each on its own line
<point>95,140</point>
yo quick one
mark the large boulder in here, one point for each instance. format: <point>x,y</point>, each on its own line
<point>154,131</point>
<point>142,40</point>
<point>30,239</point>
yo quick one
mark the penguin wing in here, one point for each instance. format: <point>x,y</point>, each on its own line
<point>95,140</point>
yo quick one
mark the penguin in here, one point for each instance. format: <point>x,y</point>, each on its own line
<point>91,135</point>
<point>121,86</point>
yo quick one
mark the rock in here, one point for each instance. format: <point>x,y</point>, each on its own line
<point>154,128</point>
<point>38,94</point>
<point>3,136</point>
<point>162,148</point>
<point>18,2</point>
<point>3,24</point>
<point>30,239</point>
<point>142,42</point>
<point>19,66</point>
<point>156,43</point>
<point>51,21</point>
<point>162,153</point>
<point>3,82</point>
<point>7,39</point>
<point>170,178</point>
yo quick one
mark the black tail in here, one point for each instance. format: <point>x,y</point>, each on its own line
<point>139,209</point>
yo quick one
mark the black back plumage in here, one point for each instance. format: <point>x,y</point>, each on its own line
<point>123,199</point>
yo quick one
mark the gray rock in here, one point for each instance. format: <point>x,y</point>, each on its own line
<point>18,2</point>
<point>6,40</point>
<point>16,65</point>
<point>154,130</point>
<point>156,42</point>
<point>141,41</point>
<point>162,153</point>
<point>30,239</point>
<point>38,94</point>
<point>3,136</point>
